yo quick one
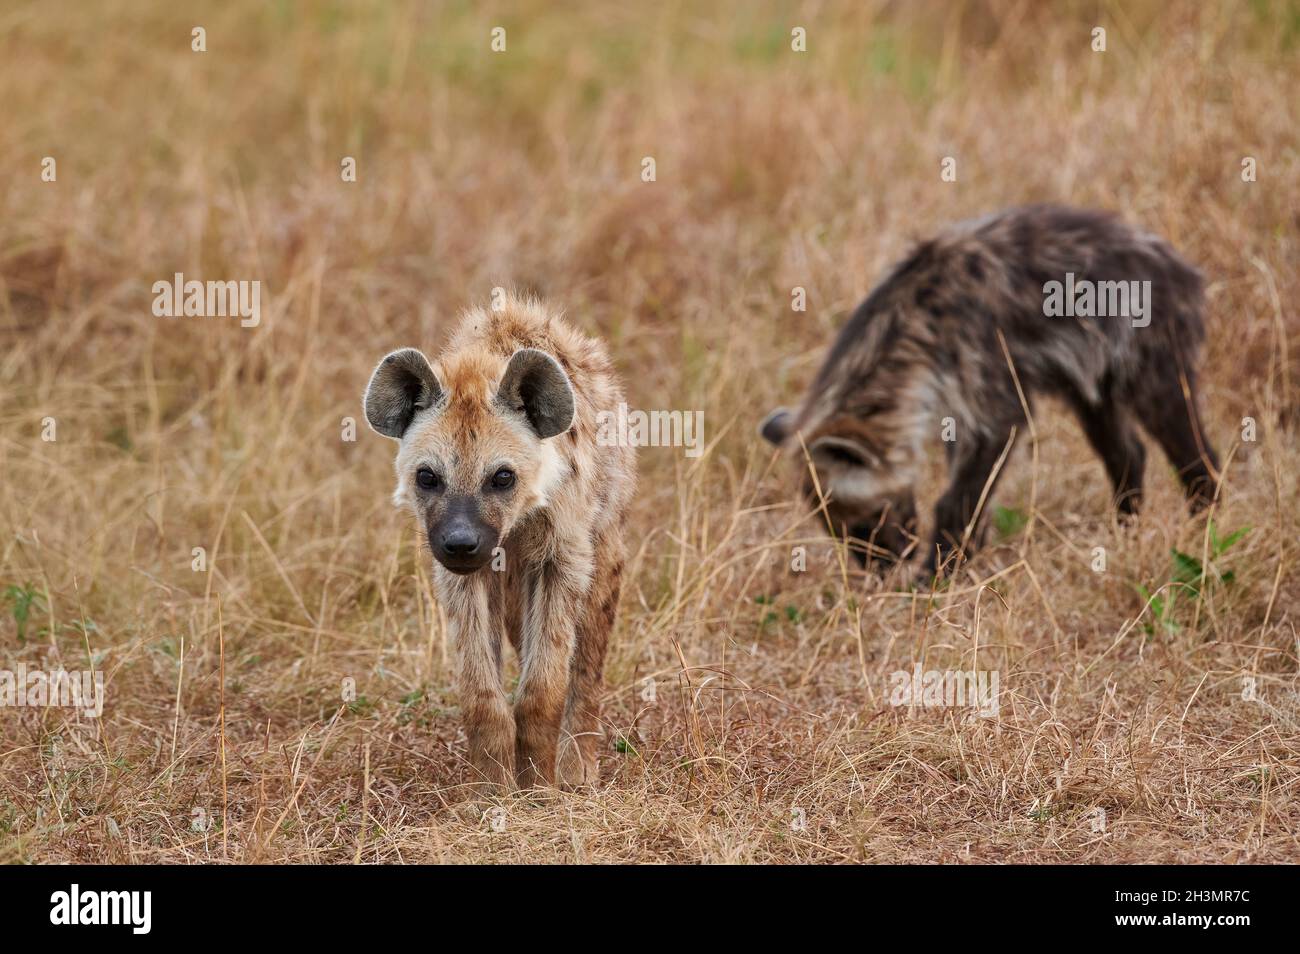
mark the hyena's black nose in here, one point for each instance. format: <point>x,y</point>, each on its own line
<point>461,542</point>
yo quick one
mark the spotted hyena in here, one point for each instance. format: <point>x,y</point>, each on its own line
<point>1081,305</point>
<point>523,510</point>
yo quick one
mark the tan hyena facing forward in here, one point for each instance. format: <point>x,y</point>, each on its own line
<point>523,510</point>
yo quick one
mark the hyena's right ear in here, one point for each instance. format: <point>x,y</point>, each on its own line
<point>777,426</point>
<point>535,386</point>
<point>403,384</point>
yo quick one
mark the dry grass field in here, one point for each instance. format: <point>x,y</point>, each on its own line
<point>747,706</point>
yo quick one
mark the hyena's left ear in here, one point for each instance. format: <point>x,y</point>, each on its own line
<point>402,385</point>
<point>842,450</point>
<point>536,386</point>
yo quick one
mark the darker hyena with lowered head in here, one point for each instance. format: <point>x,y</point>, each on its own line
<point>523,509</point>
<point>1082,306</point>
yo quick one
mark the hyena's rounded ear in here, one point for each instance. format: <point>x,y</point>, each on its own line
<point>777,426</point>
<point>535,386</point>
<point>402,385</point>
<point>842,450</point>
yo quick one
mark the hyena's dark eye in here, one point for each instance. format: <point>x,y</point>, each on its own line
<point>503,479</point>
<point>426,479</point>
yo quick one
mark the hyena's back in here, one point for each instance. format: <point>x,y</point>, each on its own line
<point>948,300</point>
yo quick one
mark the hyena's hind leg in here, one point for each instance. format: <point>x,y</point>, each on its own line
<point>580,731</point>
<point>1171,415</point>
<point>1110,430</point>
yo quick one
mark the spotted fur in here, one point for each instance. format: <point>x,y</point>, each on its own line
<point>517,389</point>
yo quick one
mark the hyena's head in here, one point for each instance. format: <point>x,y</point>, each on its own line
<point>473,455</point>
<point>852,472</point>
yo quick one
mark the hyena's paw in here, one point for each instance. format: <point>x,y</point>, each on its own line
<point>480,810</point>
<point>487,791</point>
<point>535,769</point>
<point>925,578</point>
<point>475,798</point>
<point>490,776</point>
<point>530,778</point>
<point>577,769</point>
<point>915,577</point>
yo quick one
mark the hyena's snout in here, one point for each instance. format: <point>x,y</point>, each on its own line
<point>461,540</point>
<point>885,534</point>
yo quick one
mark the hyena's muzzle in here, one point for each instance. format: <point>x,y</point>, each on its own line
<point>461,540</point>
<point>884,531</point>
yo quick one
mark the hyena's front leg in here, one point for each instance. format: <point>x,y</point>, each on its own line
<point>956,509</point>
<point>580,731</point>
<point>485,709</point>
<point>1110,431</point>
<point>1173,418</point>
<point>556,590</point>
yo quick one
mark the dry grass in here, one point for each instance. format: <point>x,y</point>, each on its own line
<point>522,169</point>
